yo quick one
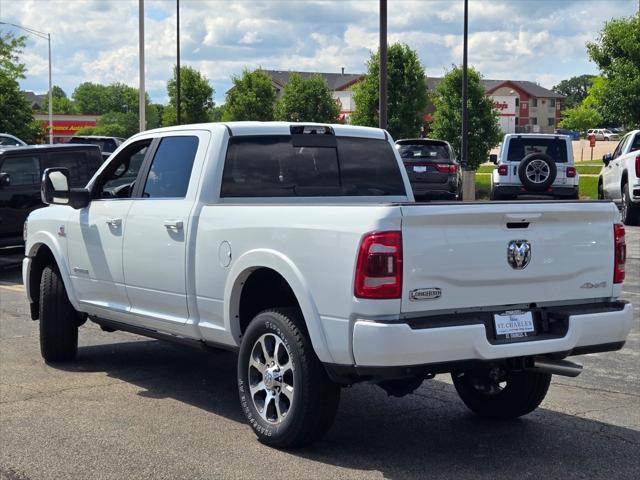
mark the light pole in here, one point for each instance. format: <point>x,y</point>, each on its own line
<point>47,37</point>
<point>382,107</point>
<point>141,94</point>
<point>178,61</point>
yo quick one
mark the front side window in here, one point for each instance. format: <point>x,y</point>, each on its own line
<point>171,168</point>
<point>22,170</point>
<point>119,177</point>
<point>275,166</point>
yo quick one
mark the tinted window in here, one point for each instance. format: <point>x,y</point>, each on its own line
<point>429,151</point>
<point>171,168</point>
<point>521,147</point>
<point>272,166</point>
<point>636,143</point>
<point>119,177</point>
<point>23,170</point>
<point>81,165</point>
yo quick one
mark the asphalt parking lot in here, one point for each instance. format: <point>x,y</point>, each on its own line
<point>137,408</point>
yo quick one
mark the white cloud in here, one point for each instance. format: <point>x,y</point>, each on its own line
<point>97,40</point>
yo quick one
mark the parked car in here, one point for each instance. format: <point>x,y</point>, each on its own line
<point>107,145</point>
<point>620,177</point>
<point>7,140</point>
<point>534,164</point>
<point>603,134</point>
<point>20,173</point>
<point>432,168</point>
<point>570,133</point>
<point>301,247</point>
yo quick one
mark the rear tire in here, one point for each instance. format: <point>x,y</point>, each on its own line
<point>494,195</point>
<point>630,211</point>
<point>496,394</point>
<point>58,319</point>
<point>600,190</point>
<point>285,392</point>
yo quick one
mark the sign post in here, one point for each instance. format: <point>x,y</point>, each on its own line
<point>592,143</point>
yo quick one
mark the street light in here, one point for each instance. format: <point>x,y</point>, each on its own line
<point>47,37</point>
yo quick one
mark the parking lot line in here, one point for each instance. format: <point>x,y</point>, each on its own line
<point>12,287</point>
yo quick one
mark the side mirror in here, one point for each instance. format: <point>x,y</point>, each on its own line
<point>606,158</point>
<point>55,190</point>
<point>493,158</point>
<point>5,180</point>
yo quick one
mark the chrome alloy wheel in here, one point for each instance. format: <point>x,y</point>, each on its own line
<point>271,378</point>
<point>538,171</point>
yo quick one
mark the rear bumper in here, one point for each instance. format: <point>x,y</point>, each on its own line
<point>398,344</point>
<point>563,191</point>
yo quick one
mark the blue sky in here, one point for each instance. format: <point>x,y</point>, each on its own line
<point>97,40</point>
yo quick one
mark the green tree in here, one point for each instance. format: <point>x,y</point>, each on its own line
<point>580,118</point>
<point>484,130</point>
<point>617,54</point>
<point>575,90</point>
<point>252,97</point>
<point>61,104</point>
<point>406,93</point>
<point>97,99</point>
<point>196,98</point>
<point>154,115</point>
<point>307,100</point>
<point>16,114</point>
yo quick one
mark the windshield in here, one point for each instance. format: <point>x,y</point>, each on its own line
<point>521,147</point>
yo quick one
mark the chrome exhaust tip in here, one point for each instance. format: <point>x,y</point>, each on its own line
<point>556,367</point>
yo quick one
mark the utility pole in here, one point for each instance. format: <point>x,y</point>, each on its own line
<point>382,115</point>
<point>178,61</point>
<point>468,176</point>
<point>142,104</point>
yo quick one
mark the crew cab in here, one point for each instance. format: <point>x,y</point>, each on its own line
<point>300,247</point>
<point>619,178</point>
<point>534,164</point>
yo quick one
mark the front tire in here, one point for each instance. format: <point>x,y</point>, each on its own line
<point>284,390</point>
<point>58,319</point>
<point>494,393</point>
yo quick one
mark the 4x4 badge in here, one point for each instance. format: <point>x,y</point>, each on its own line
<point>519,254</point>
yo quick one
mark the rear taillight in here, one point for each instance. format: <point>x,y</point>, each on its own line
<point>446,168</point>
<point>638,166</point>
<point>571,172</point>
<point>503,170</point>
<point>379,266</point>
<point>620,253</point>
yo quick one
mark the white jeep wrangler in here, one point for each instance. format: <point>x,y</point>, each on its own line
<point>534,164</point>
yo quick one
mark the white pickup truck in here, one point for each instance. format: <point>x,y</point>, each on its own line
<point>301,247</point>
<point>620,177</point>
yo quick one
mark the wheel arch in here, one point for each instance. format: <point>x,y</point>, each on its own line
<point>42,250</point>
<point>271,264</point>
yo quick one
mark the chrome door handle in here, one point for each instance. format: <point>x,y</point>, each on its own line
<point>174,225</point>
<point>114,222</point>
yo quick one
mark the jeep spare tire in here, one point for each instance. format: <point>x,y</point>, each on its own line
<point>537,172</point>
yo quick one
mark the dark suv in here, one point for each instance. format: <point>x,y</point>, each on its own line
<point>20,173</point>
<point>107,145</point>
<point>431,167</point>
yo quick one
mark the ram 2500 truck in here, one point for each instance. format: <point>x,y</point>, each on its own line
<point>301,247</point>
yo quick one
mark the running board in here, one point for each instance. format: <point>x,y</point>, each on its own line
<point>112,325</point>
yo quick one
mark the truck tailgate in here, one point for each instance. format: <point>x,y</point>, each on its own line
<point>455,256</point>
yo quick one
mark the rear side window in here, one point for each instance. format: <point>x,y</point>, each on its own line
<point>171,168</point>
<point>22,170</point>
<point>273,166</point>
<point>429,151</point>
<point>521,147</point>
<point>80,164</point>
<point>636,143</point>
